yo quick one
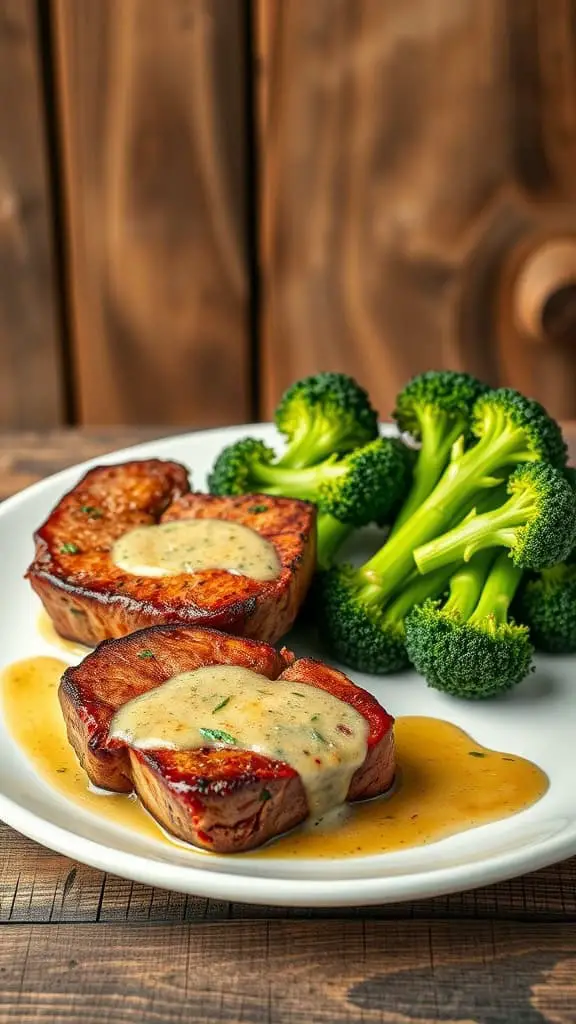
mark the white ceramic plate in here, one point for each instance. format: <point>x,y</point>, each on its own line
<point>536,721</point>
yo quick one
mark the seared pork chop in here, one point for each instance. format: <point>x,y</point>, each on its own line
<point>89,598</point>
<point>220,798</point>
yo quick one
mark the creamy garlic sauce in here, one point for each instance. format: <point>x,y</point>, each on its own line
<point>193,545</point>
<point>447,783</point>
<point>320,736</point>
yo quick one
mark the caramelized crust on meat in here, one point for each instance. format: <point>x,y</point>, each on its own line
<point>90,599</point>
<point>223,800</point>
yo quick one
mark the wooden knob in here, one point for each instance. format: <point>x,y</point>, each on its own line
<point>545,293</point>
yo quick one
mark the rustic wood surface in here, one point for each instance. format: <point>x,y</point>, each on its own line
<point>79,944</point>
<point>416,158</point>
<point>31,390</point>
<point>152,126</point>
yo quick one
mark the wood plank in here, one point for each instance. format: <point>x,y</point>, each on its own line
<point>31,391</point>
<point>38,885</point>
<point>414,159</point>
<point>287,972</point>
<point>28,457</point>
<point>153,134</point>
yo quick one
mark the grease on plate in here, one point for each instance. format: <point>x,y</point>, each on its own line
<point>447,783</point>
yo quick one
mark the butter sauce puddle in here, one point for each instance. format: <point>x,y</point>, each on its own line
<point>448,783</point>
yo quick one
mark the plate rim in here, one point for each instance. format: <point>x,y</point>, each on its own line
<point>251,888</point>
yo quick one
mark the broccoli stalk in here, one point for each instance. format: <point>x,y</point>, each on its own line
<point>537,524</point>
<point>436,409</point>
<point>352,490</point>
<point>511,429</point>
<point>332,534</point>
<point>323,415</point>
<point>467,647</point>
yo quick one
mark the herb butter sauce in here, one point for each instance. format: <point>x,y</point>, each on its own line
<point>193,545</point>
<point>320,736</point>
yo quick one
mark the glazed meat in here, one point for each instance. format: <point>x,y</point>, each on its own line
<point>90,599</point>
<point>211,797</point>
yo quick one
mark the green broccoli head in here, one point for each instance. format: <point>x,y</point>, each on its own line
<point>358,634</point>
<point>537,524</point>
<point>549,532</point>
<point>547,605</point>
<point>367,485</point>
<point>466,659</point>
<point>438,400</point>
<point>239,466</point>
<point>324,414</point>
<point>518,429</point>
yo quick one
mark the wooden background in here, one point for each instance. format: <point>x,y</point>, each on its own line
<point>202,199</point>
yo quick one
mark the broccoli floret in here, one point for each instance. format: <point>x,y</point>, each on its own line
<point>435,408</point>
<point>364,633</point>
<point>537,524</point>
<point>363,486</point>
<point>547,605</point>
<point>467,647</point>
<point>322,415</point>
<point>510,430</point>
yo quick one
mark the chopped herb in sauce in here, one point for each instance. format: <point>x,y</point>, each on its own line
<point>92,511</point>
<point>221,705</point>
<point>315,718</point>
<point>69,548</point>
<point>146,654</point>
<point>476,753</point>
<point>77,611</point>
<point>218,735</point>
<point>256,509</point>
<point>265,795</point>
<point>318,736</point>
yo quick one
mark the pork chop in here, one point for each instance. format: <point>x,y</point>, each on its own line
<point>89,598</point>
<point>222,799</point>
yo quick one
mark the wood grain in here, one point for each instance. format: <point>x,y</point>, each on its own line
<point>30,456</point>
<point>153,140</point>
<point>31,392</point>
<point>413,157</point>
<point>37,885</point>
<point>281,972</point>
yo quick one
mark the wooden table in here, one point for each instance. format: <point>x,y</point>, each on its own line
<point>78,945</point>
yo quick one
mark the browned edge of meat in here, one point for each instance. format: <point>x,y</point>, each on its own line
<point>90,599</point>
<point>223,800</point>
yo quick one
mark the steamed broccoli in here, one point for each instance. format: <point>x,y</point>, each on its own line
<point>369,636</point>
<point>323,415</point>
<point>510,429</point>
<point>546,602</point>
<point>537,524</point>
<point>435,408</point>
<point>351,490</point>
<point>547,605</point>
<point>466,646</point>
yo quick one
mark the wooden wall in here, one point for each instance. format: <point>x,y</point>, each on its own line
<point>201,200</point>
